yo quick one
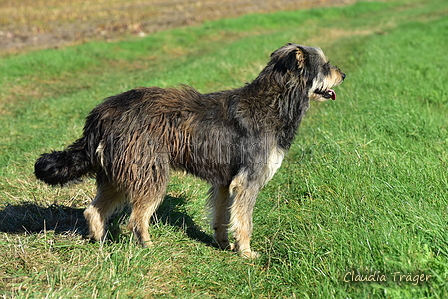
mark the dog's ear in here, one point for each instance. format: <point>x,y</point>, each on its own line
<point>300,57</point>
<point>295,58</point>
<point>289,58</point>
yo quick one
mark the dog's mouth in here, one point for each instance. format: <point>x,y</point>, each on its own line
<point>326,94</point>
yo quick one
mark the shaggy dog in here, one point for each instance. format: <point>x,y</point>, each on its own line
<point>234,139</point>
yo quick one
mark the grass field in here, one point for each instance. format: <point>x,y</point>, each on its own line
<point>363,193</point>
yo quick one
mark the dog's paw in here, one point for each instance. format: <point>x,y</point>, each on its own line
<point>224,245</point>
<point>249,254</point>
<point>147,244</point>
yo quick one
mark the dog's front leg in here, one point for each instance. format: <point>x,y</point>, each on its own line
<point>244,195</point>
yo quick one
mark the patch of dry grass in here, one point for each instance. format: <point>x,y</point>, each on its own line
<point>31,24</point>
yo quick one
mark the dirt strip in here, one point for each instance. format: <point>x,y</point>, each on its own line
<point>38,24</point>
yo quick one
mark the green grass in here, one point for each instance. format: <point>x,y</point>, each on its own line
<point>364,187</point>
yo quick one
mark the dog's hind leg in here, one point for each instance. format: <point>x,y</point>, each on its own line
<point>219,203</point>
<point>106,201</point>
<point>243,195</point>
<point>145,202</point>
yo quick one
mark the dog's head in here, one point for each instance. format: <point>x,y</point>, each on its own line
<point>311,67</point>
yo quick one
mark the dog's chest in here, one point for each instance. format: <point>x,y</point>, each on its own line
<point>273,162</point>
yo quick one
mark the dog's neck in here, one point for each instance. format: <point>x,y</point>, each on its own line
<point>287,99</point>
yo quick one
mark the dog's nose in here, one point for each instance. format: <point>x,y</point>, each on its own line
<point>343,76</point>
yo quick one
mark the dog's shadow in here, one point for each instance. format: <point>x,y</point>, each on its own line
<point>28,217</point>
<point>170,213</point>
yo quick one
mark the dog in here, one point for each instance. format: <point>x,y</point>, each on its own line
<point>234,139</point>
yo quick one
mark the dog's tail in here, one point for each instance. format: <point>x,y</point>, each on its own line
<point>63,167</point>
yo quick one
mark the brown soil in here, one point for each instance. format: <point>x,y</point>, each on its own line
<point>37,24</point>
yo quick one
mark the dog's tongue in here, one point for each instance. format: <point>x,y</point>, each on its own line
<point>332,94</point>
